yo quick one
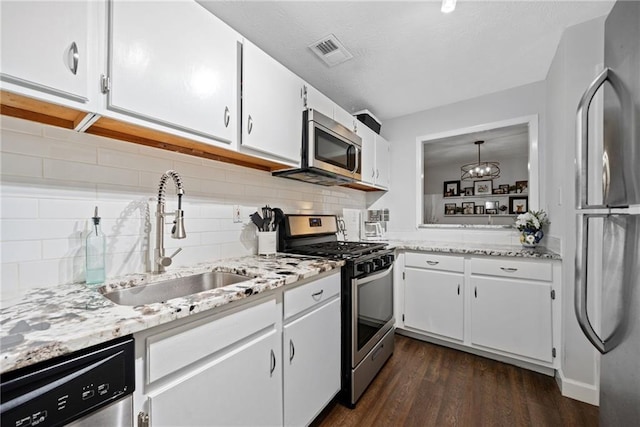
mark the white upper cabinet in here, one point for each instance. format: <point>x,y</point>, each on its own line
<point>319,101</point>
<point>272,106</point>
<point>375,158</point>
<point>345,118</point>
<point>46,49</point>
<point>176,65</point>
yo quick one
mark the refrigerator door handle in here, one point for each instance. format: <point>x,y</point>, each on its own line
<point>582,138</point>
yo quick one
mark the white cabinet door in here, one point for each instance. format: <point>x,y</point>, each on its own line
<point>344,117</point>
<point>271,106</point>
<point>434,302</point>
<point>512,315</point>
<point>383,171</point>
<point>45,47</point>
<point>368,154</point>
<point>174,64</point>
<point>311,363</point>
<point>319,101</point>
<point>243,388</point>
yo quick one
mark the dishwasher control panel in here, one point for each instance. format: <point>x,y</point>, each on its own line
<point>58,391</point>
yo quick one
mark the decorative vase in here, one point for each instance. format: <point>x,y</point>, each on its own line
<point>529,237</point>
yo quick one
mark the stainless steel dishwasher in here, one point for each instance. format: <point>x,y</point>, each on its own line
<point>91,387</point>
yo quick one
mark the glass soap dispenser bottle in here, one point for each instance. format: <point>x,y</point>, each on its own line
<point>96,244</point>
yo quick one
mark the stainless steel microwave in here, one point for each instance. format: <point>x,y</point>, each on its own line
<point>331,153</point>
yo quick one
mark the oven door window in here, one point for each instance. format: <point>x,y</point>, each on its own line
<point>375,307</point>
<point>334,151</point>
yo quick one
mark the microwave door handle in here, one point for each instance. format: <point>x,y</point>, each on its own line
<point>355,169</point>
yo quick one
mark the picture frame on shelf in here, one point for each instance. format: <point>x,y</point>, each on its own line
<point>468,191</point>
<point>479,210</point>
<point>451,188</point>
<point>518,204</point>
<point>483,187</point>
<point>491,211</point>
<point>449,208</point>
<point>492,205</point>
<point>522,186</point>
<point>504,188</point>
<point>468,208</point>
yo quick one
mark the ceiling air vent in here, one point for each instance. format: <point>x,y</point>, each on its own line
<point>330,50</point>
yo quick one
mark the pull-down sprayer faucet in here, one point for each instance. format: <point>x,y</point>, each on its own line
<point>177,232</point>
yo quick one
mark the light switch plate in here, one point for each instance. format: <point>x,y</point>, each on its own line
<point>236,214</point>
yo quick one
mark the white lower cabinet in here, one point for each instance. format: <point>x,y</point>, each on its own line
<point>434,302</point>
<point>311,349</point>
<point>240,388</point>
<point>512,315</point>
<point>490,305</point>
<point>229,367</point>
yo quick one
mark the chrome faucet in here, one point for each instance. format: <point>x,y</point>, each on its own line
<point>177,232</point>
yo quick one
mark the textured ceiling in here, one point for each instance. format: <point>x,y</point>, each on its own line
<point>408,56</point>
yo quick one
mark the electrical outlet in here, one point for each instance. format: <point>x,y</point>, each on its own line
<point>236,214</point>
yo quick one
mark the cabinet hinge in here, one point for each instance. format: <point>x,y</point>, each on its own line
<point>553,294</point>
<point>105,83</point>
<point>304,96</point>
<point>553,352</point>
<point>143,419</point>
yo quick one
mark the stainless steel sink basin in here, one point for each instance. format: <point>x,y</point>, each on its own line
<point>173,288</point>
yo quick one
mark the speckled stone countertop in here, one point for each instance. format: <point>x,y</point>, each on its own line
<point>474,249</point>
<point>49,322</point>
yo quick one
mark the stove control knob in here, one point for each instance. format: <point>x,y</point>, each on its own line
<point>378,262</point>
<point>366,267</point>
<point>388,259</point>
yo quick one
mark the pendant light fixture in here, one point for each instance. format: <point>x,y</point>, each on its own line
<point>448,6</point>
<point>479,169</point>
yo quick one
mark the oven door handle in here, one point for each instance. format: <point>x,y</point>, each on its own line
<point>373,277</point>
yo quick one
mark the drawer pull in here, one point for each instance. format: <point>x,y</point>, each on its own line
<point>292,351</point>
<point>475,291</point>
<point>433,262</point>
<point>458,288</point>
<point>509,269</point>
<point>318,295</point>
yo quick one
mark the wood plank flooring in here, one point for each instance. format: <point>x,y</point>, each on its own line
<point>425,384</point>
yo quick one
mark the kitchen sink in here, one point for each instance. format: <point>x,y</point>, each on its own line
<point>173,288</point>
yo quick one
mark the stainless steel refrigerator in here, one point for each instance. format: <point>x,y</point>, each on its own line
<point>607,291</point>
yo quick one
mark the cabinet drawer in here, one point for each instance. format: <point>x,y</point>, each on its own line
<point>303,297</point>
<point>434,262</point>
<point>176,348</point>
<point>533,270</point>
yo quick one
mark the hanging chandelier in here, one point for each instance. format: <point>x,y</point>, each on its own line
<point>479,169</point>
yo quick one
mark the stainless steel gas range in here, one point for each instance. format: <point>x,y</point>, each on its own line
<point>367,295</point>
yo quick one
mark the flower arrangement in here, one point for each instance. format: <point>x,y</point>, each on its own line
<point>530,225</point>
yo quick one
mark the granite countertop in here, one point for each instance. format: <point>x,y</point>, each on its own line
<point>49,322</point>
<point>474,249</point>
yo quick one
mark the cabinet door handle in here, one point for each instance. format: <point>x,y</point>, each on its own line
<point>74,57</point>
<point>373,173</point>
<point>318,295</point>
<point>249,125</point>
<point>377,173</point>
<point>227,116</point>
<point>509,269</point>
<point>273,363</point>
<point>433,262</point>
<point>458,288</point>
<point>475,291</point>
<point>292,351</point>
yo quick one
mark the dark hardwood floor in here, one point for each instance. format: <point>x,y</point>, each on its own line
<point>428,385</point>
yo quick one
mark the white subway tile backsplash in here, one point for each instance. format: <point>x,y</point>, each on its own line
<point>19,165</point>
<point>19,207</point>
<point>27,250</point>
<point>54,177</point>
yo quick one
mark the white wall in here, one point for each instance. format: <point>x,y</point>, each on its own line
<point>578,60</point>
<point>402,133</point>
<point>52,178</point>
